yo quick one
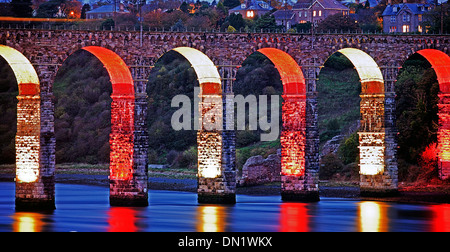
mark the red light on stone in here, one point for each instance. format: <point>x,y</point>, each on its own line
<point>118,71</point>
<point>293,112</point>
<point>440,62</point>
<point>290,72</point>
<point>441,65</point>
<point>293,136</point>
<point>122,113</point>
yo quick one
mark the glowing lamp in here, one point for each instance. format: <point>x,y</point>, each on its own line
<point>209,154</point>
<point>27,158</point>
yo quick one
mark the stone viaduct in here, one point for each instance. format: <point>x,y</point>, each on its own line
<point>47,50</point>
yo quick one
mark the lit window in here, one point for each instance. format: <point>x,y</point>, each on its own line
<point>420,17</point>
<point>405,28</point>
<point>300,14</point>
<point>314,13</point>
<point>419,28</point>
<point>306,13</point>
<point>320,13</point>
<point>250,14</point>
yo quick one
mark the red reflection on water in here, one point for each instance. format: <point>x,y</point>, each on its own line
<point>441,218</point>
<point>294,217</point>
<point>122,219</point>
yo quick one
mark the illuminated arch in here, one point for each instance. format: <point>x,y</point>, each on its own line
<point>290,72</point>
<point>440,62</point>
<point>122,113</point>
<point>28,115</point>
<point>209,142</point>
<point>293,134</point>
<point>372,128</point>
<point>120,76</point>
<point>369,73</point>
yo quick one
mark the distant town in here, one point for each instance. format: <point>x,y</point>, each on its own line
<point>374,16</point>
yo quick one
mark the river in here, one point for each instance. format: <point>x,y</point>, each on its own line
<point>83,208</point>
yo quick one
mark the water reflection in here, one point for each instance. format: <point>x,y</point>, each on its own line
<point>211,218</point>
<point>294,217</point>
<point>27,222</point>
<point>122,219</point>
<point>372,217</point>
<point>441,218</point>
<point>85,208</point>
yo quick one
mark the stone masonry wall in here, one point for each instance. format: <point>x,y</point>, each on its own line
<point>48,49</point>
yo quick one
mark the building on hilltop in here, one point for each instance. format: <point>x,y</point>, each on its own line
<point>106,11</point>
<point>251,8</point>
<point>405,17</point>
<point>313,11</point>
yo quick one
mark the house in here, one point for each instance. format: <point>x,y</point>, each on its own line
<point>404,17</point>
<point>251,8</point>
<point>106,11</point>
<point>312,11</point>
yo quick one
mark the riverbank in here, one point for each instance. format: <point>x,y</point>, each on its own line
<point>186,181</point>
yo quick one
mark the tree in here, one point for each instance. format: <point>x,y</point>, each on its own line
<point>438,19</point>
<point>22,8</point>
<point>48,9</point>
<point>417,111</point>
<point>108,24</point>
<point>84,9</point>
<point>231,3</point>
<point>231,29</point>
<point>267,21</point>
<point>178,26</point>
<point>185,7</point>
<point>338,22</point>
<point>237,21</point>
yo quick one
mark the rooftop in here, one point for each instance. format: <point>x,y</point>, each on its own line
<point>107,9</point>
<point>415,8</point>
<point>327,4</point>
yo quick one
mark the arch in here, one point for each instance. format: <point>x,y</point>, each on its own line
<point>293,134</point>
<point>440,62</point>
<point>209,141</point>
<point>369,73</point>
<point>290,72</point>
<point>122,113</point>
<point>28,116</point>
<point>119,74</point>
<point>372,128</point>
<point>213,180</point>
<point>207,73</point>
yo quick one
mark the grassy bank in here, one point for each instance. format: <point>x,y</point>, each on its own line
<point>103,169</point>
